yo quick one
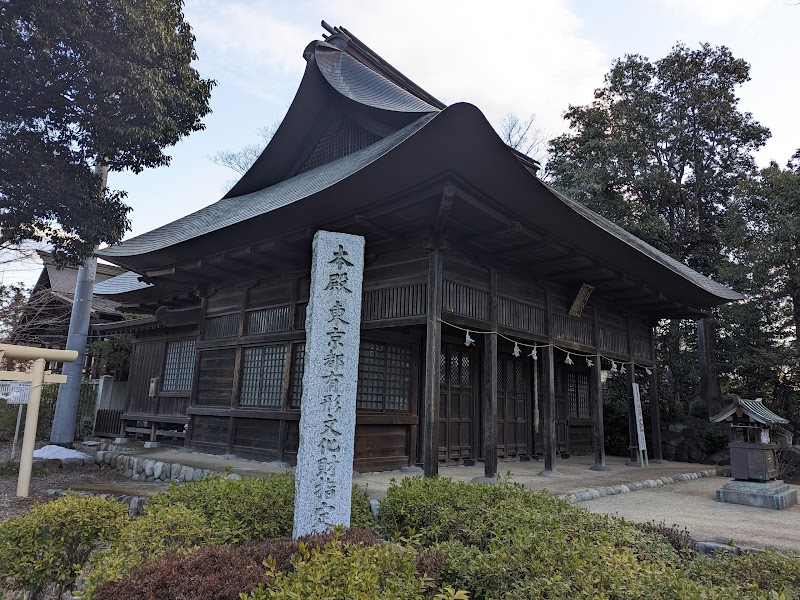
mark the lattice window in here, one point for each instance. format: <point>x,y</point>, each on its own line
<point>263,371</point>
<point>267,320</point>
<point>371,375</point>
<point>460,373</point>
<point>340,138</point>
<point>298,365</point>
<point>578,397</point>
<point>179,366</point>
<point>398,377</point>
<point>384,377</point>
<point>223,326</point>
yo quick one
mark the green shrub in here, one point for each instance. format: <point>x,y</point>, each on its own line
<point>346,571</point>
<point>715,440</point>
<point>246,509</point>
<point>49,543</point>
<point>768,570</point>
<point>220,572</point>
<point>501,541</point>
<point>153,534</point>
<point>679,539</point>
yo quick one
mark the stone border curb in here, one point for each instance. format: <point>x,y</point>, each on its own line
<point>593,493</point>
<point>135,503</point>
<point>145,469</point>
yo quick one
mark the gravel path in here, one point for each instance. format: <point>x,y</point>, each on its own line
<point>692,505</point>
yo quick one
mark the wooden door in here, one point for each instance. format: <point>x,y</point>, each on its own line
<point>562,431</point>
<point>579,412</point>
<point>456,406</point>
<point>513,398</point>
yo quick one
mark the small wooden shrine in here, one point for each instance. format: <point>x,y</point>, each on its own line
<point>754,460</point>
<point>753,454</point>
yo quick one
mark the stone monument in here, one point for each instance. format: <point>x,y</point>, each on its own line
<point>324,474</point>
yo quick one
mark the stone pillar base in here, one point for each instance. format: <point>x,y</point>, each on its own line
<point>547,473</point>
<point>772,494</point>
<point>152,445</point>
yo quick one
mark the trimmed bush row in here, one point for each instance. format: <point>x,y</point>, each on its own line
<point>219,538</point>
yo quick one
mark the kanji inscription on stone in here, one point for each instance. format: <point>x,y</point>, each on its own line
<point>324,474</point>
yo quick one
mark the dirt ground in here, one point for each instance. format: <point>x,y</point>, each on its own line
<point>89,478</point>
<point>692,505</point>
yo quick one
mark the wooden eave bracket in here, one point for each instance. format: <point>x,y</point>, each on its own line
<point>445,206</point>
<point>436,243</point>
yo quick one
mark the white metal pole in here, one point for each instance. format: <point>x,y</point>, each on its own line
<point>16,432</point>
<point>31,421</point>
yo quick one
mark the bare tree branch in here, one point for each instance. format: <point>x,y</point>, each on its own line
<point>523,136</point>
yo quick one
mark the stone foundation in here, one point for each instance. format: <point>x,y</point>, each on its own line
<point>144,469</point>
<point>771,494</point>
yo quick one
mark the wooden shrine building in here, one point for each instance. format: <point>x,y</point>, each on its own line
<point>460,236</point>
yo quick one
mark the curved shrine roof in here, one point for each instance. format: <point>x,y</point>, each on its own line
<point>420,139</point>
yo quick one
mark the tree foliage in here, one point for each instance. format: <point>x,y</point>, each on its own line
<point>88,83</point>
<point>760,347</point>
<point>661,151</point>
<point>662,148</point>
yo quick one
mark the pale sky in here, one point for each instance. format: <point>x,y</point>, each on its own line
<point>526,57</point>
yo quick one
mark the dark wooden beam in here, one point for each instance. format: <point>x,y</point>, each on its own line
<point>549,442</point>
<point>445,206</point>
<point>584,273</point>
<point>373,227</point>
<point>596,395</point>
<point>527,247</point>
<point>549,437</point>
<point>513,227</point>
<point>630,380</point>
<point>489,416</point>
<point>433,350</point>
<point>655,405</point>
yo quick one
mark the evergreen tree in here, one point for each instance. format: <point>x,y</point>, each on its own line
<point>88,84</point>
<point>660,151</point>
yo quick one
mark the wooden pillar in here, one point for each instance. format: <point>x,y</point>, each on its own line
<point>655,404</point>
<point>708,364</point>
<point>598,434</point>
<point>596,394</point>
<point>490,384</point>
<point>630,379</point>
<point>433,350</point>
<point>548,428</point>
<point>655,416</point>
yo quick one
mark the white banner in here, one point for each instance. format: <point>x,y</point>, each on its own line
<point>637,405</point>
<point>15,392</point>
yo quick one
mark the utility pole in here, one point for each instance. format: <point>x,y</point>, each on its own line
<point>63,432</point>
